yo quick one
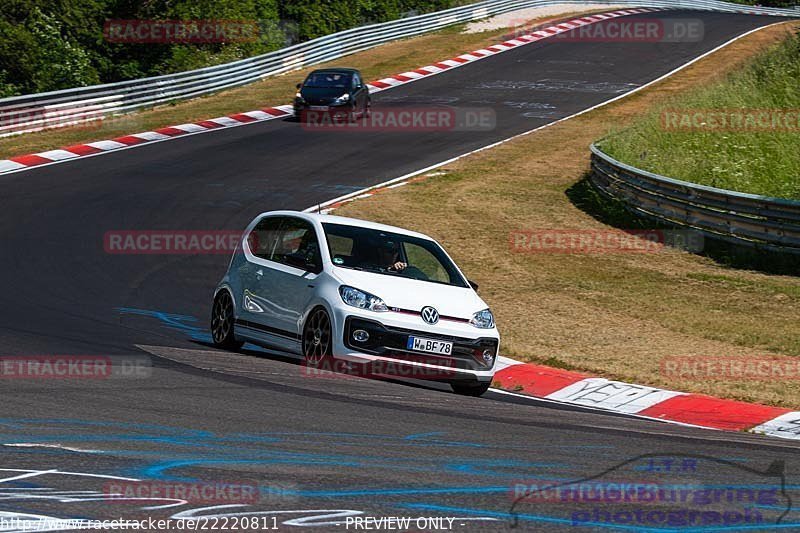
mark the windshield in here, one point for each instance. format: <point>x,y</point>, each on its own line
<point>328,80</point>
<point>392,254</point>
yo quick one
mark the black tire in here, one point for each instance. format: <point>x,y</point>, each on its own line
<point>368,108</point>
<point>475,388</point>
<point>317,339</point>
<point>222,318</point>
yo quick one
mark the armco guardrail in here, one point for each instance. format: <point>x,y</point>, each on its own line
<point>740,218</point>
<point>21,114</point>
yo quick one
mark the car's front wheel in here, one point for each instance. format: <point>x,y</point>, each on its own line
<point>470,388</point>
<point>222,319</point>
<point>317,338</point>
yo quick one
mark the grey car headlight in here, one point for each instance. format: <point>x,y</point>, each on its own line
<point>483,319</point>
<point>362,300</point>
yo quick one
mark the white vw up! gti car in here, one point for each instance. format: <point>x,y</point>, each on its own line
<point>334,288</point>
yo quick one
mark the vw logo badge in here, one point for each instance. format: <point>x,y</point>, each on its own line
<point>430,315</point>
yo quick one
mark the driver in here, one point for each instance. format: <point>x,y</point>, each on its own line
<point>388,256</point>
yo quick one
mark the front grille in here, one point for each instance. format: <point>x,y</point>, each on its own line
<point>391,342</point>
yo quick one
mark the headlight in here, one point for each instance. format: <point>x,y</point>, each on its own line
<point>361,299</point>
<point>342,99</point>
<point>298,96</point>
<point>483,319</point>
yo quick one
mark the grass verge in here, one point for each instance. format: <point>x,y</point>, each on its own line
<point>617,315</point>
<point>380,62</point>
<point>747,157</point>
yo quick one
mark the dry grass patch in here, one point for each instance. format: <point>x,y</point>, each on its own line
<point>617,315</point>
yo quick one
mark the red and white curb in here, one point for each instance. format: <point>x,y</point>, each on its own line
<point>25,162</point>
<point>698,410</point>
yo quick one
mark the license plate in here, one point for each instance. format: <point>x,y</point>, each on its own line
<point>420,344</point>
<point>318,108</point>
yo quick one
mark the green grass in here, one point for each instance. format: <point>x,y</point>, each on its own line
<point>765,162</point>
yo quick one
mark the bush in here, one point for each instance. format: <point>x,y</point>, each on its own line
<point>55,44</point>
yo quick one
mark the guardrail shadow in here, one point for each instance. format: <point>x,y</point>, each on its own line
<point>617,214</point>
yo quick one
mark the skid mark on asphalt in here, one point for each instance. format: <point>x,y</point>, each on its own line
<point>559,86</point>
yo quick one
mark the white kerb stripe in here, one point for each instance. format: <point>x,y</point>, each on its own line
<point>414,75</point>
<point>7,164</point>
<point>431,68</point>
<point>107,145</point>
<point>151,136</point>
<point>225,121</point>
<point>190,128</point>
<point>786,426</point>
<point>258,115</point>
<point>612,395</point>
<point>391,81</point>
<point>57,155</point>
<point>503,362</point>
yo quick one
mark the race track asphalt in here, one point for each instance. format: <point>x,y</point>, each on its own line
<point>324,444</point>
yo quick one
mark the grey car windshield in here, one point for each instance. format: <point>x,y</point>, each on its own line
<point>328,79</point>
<point>378,251</point>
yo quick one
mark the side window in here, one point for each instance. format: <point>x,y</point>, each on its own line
<point>356,81</point>
<point>420,258</point>
<point>264,237</point>
<point>297,245</point>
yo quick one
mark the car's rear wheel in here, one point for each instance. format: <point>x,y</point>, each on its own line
<point>475,388</point>
<point>222,318</point>
<point>317,338</point>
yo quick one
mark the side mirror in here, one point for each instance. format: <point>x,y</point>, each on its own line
<point>299,85</point>
<point>473,285</point>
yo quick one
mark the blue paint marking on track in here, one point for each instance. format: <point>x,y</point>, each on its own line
<point>182,323</point>
<point>182,448</point>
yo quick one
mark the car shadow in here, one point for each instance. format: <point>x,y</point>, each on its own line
<point>345,369</point>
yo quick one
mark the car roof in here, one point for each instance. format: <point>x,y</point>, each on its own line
<point>341,70</point>
<point>347,221</point>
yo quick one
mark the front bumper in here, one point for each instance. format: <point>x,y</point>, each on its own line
<point>303,111</point>
<point>386,347</point>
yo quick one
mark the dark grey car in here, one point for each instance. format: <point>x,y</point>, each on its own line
<point>339,93</point>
